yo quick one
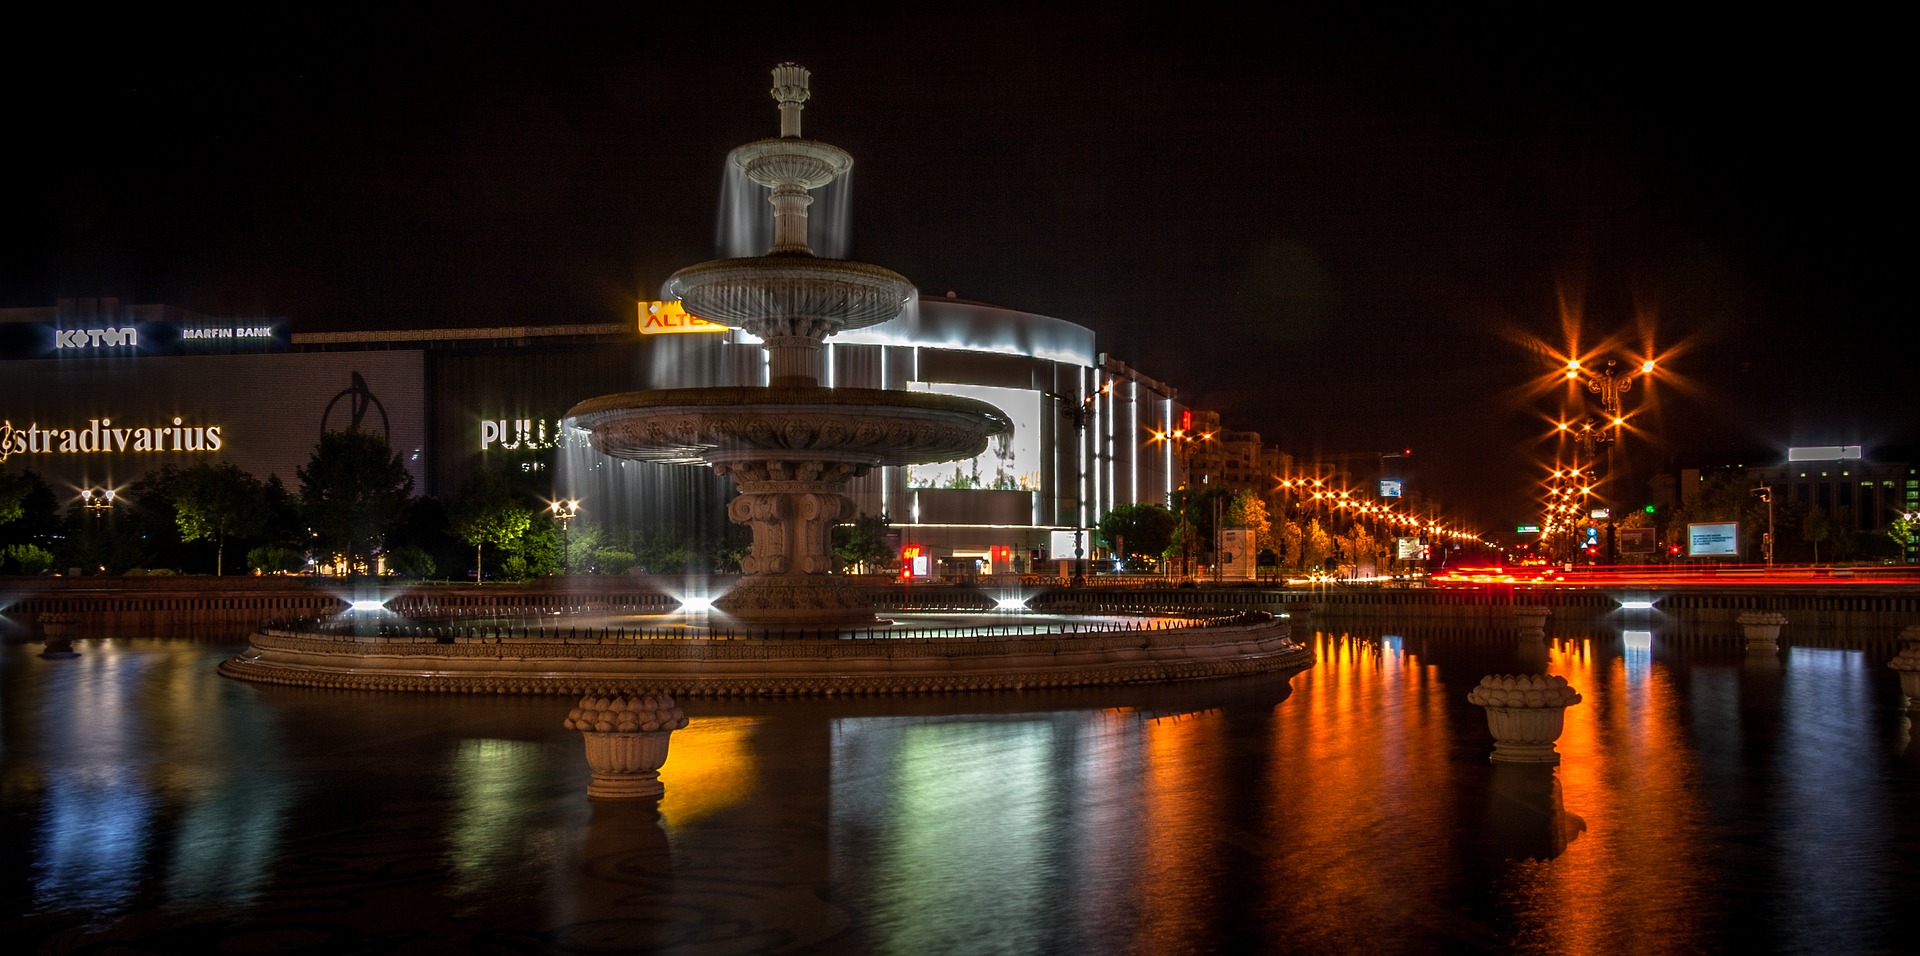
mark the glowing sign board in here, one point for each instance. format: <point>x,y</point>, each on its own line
<point>669,318</point>
<point>101,436</point>
<point>1825,453</point>
<point>1716,540</point>
<point>1389,487</point>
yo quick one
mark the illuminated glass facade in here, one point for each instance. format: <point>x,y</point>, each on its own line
<point>97,393</point>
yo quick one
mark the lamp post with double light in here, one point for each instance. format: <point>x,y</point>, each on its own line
<point>1183,439</point>
<point>564,511</point>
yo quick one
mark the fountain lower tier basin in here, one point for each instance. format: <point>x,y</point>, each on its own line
<point>555,658</point>
<point>863,427</point>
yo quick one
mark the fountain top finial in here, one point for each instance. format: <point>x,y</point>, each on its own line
<point>790,91</point>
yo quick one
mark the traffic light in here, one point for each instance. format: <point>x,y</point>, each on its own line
<point>1648,509</point>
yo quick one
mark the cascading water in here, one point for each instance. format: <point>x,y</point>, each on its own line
<point>791,445</point>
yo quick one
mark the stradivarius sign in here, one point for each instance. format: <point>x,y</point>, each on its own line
<point>102,436</point>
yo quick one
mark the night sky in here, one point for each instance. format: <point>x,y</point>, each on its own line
<point>1351,233</point>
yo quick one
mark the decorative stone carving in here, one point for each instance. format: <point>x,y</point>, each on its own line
<point>1531,619</point>
<point>1761,629</point>
<point>1525,713</point>
<point>626,739</point>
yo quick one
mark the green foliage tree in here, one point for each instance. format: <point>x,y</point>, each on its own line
<point>26,559</point>
<point>13,497</point>
<point>1816,527</point>
<point>273,559</point>
<point>862,544</point>
<point>489,511</point>
<point>353,491</point>
<point>1137,529</point>
<point>1246,510</point>
<point>218,502</point>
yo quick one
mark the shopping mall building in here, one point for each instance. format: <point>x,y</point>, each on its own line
<point>96,393</point>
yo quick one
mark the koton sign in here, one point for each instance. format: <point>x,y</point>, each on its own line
<point>108,338</point>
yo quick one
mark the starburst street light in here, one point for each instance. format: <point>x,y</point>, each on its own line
<point>1184,439</point>
<point>564,511</point>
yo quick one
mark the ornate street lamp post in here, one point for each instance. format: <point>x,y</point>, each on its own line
<point>564,511</point>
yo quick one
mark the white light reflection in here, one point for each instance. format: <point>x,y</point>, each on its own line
<point>1637,655</point>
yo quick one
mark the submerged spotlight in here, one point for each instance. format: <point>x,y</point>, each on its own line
<point>367,604</point>
<point>697,605</point>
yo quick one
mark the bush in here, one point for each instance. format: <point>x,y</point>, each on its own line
<point>26,559</point>
<point>410,561</point>
<point>613,560</point>
<point>274,559</point>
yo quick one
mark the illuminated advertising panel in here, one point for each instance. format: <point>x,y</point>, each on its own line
<point>1635,540</point>
<point>1389,487</point>
<point>1409,549</point>
<point>109,338</point>
<point>670,318</point>
<point>1011,461</point>
<point>1713,540</point>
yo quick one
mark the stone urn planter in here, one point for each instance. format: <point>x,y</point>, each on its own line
<point>626,738</point>
<point>1761,629</point>
<point>1531,619</point>
<point>1907,662</point>
<point>57,627</point>
<point>1526,713</point>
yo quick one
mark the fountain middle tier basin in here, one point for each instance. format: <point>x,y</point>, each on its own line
<point>784,289</point>
<point>862,427</point>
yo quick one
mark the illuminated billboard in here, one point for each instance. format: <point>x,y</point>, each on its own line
<point>1011,461</point>
<point>669,318</point>
<point>1714,540</point>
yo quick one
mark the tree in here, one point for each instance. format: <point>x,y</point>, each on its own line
<point>13,497</point>
<point>862,544</point>
<point>488,511</point>
<point>218,502</point>
<point>1137,529</point>
<point>352,493</point>
<point>1816,527</point>
<point>1246,510</point>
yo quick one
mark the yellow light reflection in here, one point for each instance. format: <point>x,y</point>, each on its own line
<point>1626,768</point>
<point>709,768</point>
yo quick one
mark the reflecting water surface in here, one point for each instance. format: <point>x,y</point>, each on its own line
<point>1707,800</point>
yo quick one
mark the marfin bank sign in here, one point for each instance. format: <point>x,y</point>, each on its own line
<point>102,436</point>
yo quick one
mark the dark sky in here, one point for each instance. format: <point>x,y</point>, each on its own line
<point>1352,233</point>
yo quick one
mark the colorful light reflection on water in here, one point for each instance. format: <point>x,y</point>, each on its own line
<point>1707,799</point>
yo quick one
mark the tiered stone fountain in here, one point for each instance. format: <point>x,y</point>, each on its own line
<point>791,446</point>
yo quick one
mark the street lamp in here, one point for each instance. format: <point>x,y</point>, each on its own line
<point>1184,438</point>
<point>564,511</point>
<point>1080,413</point>
<point>1766,494</point>
<point>97,501</point>
<point>1609,382</point>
